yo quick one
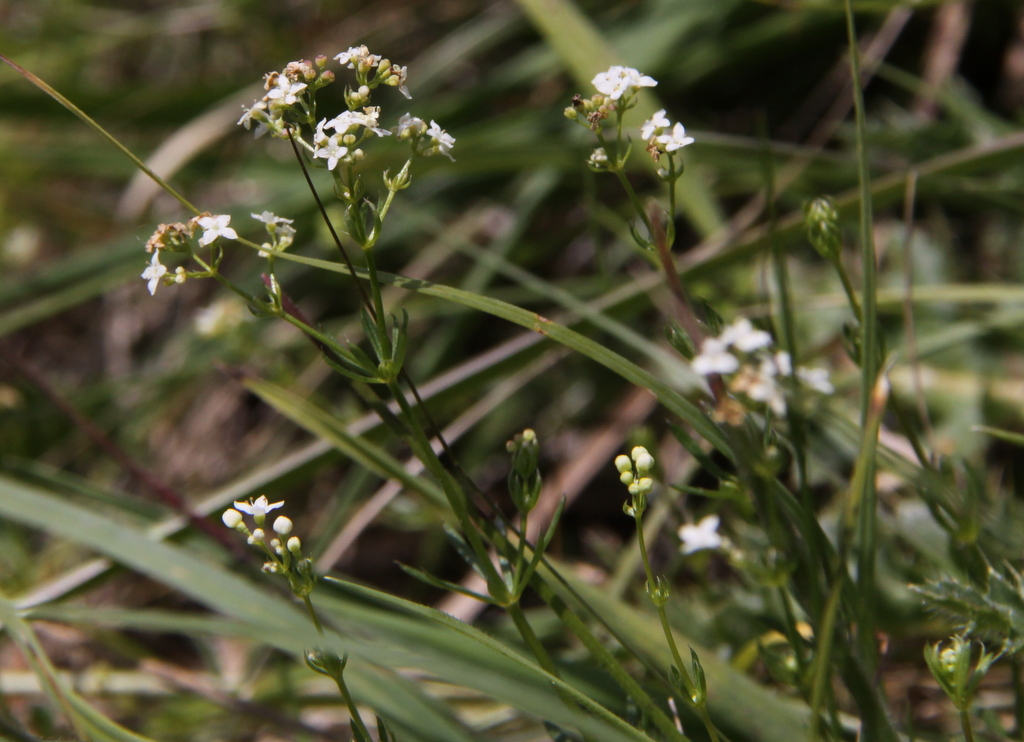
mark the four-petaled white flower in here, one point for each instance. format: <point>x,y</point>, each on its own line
<point>409,125</point>
<point>258,507</point>
<point>714,358</point>
<point>744,336</point>
<point>154,272</point>
<point>620,80</point>
<point>349,119</point>
<point>214,227</point>
<point>331,150</point>
<point>269,218</point>
<point>655,125</point>
<point>703,535</point>
<point>445,141</point>
<point>676,139</point>
<point>286,91</point>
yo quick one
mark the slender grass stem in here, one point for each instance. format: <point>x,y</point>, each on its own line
<point>965,723</point>
<point>312,614</point>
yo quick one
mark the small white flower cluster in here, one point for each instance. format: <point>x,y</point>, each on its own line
<point>743,355</point>
<point>662,136</point>
<point>286,90</point>
<point>359,58</point>
<point>258,509</point>
<point>619,81</point>
<point>175,238</point>
<point>282,234</point>
<point>616,91</point>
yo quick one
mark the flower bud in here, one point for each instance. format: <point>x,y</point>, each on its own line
<point>623,464</point>
<point>231,518</point>
<point>637,452</point>
<point>570,113</point>
<point>320,60</point>
<point>822,222</point>
<point>294,545</point>
<point>644,463</point>
<point>283,525</point>
<point>626,478</point>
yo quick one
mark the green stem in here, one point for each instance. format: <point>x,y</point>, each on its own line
<point>870,362</point>
<point>851,293</point>
<point>378,301</point>
<point>634,199</point>
<point>352,710</point>
<point>1018,699</point>
<point>823,655</point>
<point>312,615</point>
<point>605,658</point>
<point>965,722</point>
<point>515,612</point>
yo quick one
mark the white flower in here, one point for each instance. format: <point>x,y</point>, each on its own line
<point>399,78</point>
<point>258,507</point>
<point>269,218</point>
<point>410,126</point>
<point>816,378</point>
<point>331,150</point>
<point>231,518</point>
<point>657,123</point>
<point>358,55</point>
<point>743,336</point>
<point>283,525</point>
<point>214,227</point>
<point>704,535</point>
<point>783,363</point>
<point>714,358</point>
<point>761,386</point>
<point>676,140</point>
<point>258,114</point>
<point>445,141</point>
<point>349,119</point>
<point>286,91</point>
<point>154,272</point>
<point>619,80</point>
<point>598,158</point>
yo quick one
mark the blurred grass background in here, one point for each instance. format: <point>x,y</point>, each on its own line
<point>762,86</point>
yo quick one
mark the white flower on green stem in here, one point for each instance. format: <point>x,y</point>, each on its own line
<point>331,150</point>
<point>703,535</point>
<point>154,272</point>
<point>257,113</point>
<point>618,81</point>
<point>214,227</point>
<point>444,140</point>
<point>745,337</point>
<point>655,125</point>
<point>285,91</point>
<point>258,507</point>
<point>714,358</point>
<point>677,139</point>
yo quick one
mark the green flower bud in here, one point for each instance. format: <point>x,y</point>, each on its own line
<point>822,222</point>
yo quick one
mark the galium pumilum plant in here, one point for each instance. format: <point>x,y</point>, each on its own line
<point>754,395</point>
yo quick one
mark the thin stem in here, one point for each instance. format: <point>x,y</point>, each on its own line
<point>965,722</point>
<point>851,292</point>
<point>378,301</point>
<point>352,710</point>
<point>634,199</point>
<point>312,615</point>
<point>515,612</point>
<point>869,358</point>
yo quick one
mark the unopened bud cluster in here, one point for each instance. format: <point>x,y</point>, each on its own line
<point>524,482</point>
<point>634,471</point>
<point>822,222</point>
